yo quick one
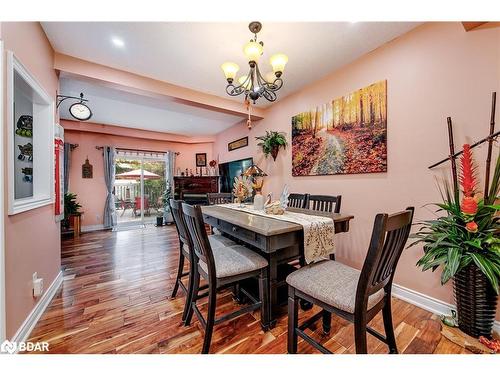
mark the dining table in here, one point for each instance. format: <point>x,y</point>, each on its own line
<point>280,242</point>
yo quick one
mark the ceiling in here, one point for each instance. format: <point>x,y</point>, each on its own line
<point>115,107</point>
<point>190,55</point>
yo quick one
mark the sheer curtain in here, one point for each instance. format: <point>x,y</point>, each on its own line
<point>169,177</point>
<point>109,178</point>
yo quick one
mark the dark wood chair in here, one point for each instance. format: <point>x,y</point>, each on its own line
<point>216,241</point>
<point>176,209</point>
<point>296,200</point>
<point>219,198</point>
<point>221,267</point>
<point>324,203</point>
<point>351,294</point>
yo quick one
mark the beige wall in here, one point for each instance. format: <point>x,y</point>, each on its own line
<point>92,192</point>
<point>31,238</point>
<point>434,71</point>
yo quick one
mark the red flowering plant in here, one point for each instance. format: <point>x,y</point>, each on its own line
<point>470,230</point>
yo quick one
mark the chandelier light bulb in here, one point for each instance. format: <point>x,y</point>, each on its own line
<point>230,69</point>
<point>278,63</point>
<point>253,51</point>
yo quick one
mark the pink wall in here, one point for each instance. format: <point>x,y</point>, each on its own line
<point>435,71</point>
<point>32,237</point>
<point>91,192</point>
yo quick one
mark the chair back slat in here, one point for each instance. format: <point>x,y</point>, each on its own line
<point>198,234</point>
<point>325,203</point>
<point>176,208</point>
<point>219,198</point>
<point>389,236</point>
<point>296,200</point>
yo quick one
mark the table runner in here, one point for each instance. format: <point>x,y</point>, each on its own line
<point>318,230</point>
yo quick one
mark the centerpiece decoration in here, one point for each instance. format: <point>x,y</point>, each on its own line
<point>465,242</point>
<point>242,188</point>
<point>277,207</point>
<point>257,175</point>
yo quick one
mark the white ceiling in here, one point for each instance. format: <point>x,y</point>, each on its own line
<point>190,55</point>
<point>115,107</point>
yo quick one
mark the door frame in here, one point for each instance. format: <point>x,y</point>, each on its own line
<point>3,329</point>
<point>141,158</point>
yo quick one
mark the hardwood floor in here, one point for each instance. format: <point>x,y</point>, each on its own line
<point>115,299</point>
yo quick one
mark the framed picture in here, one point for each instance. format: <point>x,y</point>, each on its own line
<point>239,143</point>
<point>201,160</point>
<point>347,135</point>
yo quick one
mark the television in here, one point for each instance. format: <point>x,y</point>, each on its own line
<point>228,171</point>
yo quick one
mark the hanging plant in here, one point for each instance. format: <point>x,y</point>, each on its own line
<point>272,142</point>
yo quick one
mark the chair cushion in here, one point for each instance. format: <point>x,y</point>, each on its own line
<point>235,260</point>
<point>216,240</point>
<point>332,283</point>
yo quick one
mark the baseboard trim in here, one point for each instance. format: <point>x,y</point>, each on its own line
<point>92,228</point>
<point>24,331</point>
<point>428,303</point>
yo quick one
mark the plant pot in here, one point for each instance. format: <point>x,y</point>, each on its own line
<point>274,152</point>
<point>476,302</point>
<point>159,221</point>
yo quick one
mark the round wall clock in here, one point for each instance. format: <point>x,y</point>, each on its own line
<point>80,111</point>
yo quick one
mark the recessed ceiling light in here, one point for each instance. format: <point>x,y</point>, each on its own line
<point>118,42</point>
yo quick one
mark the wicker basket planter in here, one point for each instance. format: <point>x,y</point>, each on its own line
<point>476,302</point>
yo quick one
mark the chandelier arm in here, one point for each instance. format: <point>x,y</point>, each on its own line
<point>269,95</point>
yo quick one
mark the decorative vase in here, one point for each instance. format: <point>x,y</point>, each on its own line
<point>159,221</point>
<point>476,302</point>
<point>258,201</point>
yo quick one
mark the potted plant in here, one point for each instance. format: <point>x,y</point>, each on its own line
<point>272,142</point>
<point>71,208</point>
<point>465,242</point>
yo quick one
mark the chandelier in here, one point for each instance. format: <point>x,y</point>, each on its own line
<point>254,85</point>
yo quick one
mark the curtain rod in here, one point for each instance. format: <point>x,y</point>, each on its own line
<point>137,150</point>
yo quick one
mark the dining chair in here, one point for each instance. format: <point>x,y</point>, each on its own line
<point>221,267</point>
<point>219,198</point>
<point>324,203</point>
<point>185,253</point>
<point>356,296</point>
<point>296,200</point>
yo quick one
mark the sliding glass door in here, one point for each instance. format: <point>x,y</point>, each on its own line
<point>140,182</point>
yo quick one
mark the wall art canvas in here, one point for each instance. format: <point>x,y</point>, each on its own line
<point>345,136</point>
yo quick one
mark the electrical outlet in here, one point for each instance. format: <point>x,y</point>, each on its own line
<point>37,285</point>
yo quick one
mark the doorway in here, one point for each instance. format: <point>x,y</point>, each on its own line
<point>140,183</point>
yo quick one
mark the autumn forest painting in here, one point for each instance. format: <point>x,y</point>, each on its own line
<point>345,136</point>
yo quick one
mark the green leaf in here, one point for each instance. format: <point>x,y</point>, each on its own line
<point>484,265</point>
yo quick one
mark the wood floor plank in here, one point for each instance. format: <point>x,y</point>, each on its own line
<point>115,298</point>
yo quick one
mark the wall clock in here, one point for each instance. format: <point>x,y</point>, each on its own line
<point>80,111</point>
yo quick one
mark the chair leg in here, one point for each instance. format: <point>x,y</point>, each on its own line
<point>264,300</point>
<point>180,267</point>
<point>212,300</point>
<point>388,326</point>
<point>189,297</point>
<point>327,322</point>
<point>360,333</point>
<point>193,296</point>
<point>293,320</point>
